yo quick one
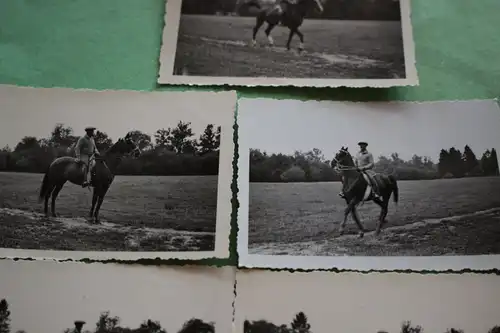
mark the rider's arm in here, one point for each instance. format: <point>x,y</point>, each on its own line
<point>78,147</point>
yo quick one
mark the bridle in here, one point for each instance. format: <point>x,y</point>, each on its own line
<point>341,167</point>
<point>130,153</point>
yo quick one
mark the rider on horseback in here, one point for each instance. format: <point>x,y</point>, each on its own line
<point>85,150</point>
<point>364,164</point>
<point>281,5</point>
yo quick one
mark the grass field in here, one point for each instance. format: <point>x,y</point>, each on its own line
<point>220,46</point>
<point>432,217</point>
<point>141,213</point>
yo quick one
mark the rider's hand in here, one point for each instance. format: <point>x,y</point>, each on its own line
<point>78,160</point>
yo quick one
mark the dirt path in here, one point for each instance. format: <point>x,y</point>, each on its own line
<point>24,229</point>
<point>473,233</point>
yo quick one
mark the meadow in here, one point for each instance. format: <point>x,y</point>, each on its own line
<point>220,46</point>
<point>433,217</point>
<point>139,213</point>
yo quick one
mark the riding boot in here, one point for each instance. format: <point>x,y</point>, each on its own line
<point>92,177</point>
<point>86,181</point>
<point>376,192</point>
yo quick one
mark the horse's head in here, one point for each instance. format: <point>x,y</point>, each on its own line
<point>342,159</point>
<point>125,147</point>
<point>317,4</point>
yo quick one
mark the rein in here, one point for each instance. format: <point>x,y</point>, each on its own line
<point>341,167</point>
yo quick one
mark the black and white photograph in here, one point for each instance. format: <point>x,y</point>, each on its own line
<point>315,43</point>
<point>321,302</point>
<point>383,185</point>
<point>115,174</point>
<point>106,298</point>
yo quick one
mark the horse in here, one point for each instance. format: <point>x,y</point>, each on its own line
<point>67,168</point>
<point>290,13</point>
<point>357,190</point>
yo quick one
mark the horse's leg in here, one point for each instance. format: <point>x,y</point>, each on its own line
<point>301,36</point>
<point>55,193</point>
<point>100,199</point>
<point>46,201</point>
<point>383,212</point>
<point>350,206</point>
<point>268,33</point>
<point>258,24</point>
<point>94,201</point>
<point>290,36</point>
<point>358,222</point>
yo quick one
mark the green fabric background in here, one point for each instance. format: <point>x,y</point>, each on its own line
<point>115,44</point>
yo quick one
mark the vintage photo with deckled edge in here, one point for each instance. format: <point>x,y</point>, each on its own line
<point>162,170</point>
<point>284,302</point>
<point>432,165</point>
<point>370,45</point>
<point>79,297</point>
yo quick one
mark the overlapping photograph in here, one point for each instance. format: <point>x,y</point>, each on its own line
<point>319,43</point>
<point>369,185</point>
<point>106,298</point>
<point>283,302</point>
<point>123,175</point>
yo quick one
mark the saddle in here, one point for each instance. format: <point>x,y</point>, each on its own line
<point>280,8</point>
<point>371,178</point>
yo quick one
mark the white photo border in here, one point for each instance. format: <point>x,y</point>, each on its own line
<point>351,263</point>
<point>225,104</point>
<point>169,48</point>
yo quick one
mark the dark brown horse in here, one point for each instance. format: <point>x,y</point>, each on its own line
<point>289,13</point>
<point>357,190</point>
<point>67,168</point>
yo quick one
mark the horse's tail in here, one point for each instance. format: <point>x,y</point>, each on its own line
<point>395,188</point>
<point>45,187</point>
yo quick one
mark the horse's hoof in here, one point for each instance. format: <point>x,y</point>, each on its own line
<point>54,215</point>
<point>361,234</point>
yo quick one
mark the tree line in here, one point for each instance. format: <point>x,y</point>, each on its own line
<point>312,166</point>
<point>300,324</point>
<point>111,324</point>
<point>170,151</point>
<point>385,10</point>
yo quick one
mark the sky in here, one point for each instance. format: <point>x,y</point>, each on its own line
<point>283,126</point>
<point>35,112</point>
<point>47,297</point>
<point>367,303</point>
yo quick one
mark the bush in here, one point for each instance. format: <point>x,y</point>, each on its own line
<point>294,174</point>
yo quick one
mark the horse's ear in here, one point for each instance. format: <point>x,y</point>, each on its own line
<point>346,149</point>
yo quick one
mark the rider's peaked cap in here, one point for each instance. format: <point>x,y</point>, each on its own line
<point>362,143</point>
<point>89,128</point>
